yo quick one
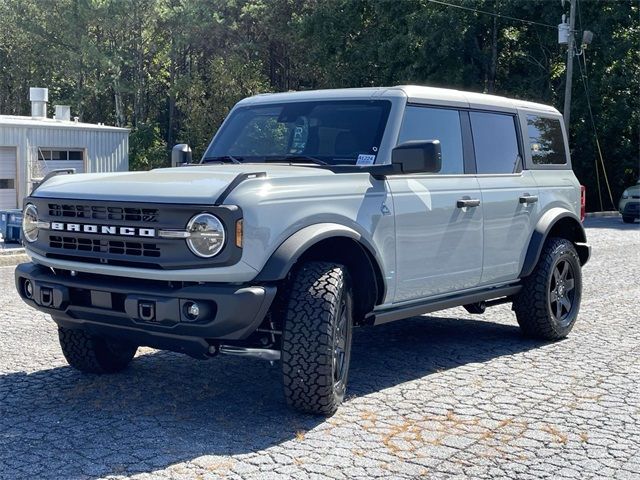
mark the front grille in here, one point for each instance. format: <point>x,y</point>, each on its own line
<point>90,231</point>
<point>98,212</point>
<point>113,247</point>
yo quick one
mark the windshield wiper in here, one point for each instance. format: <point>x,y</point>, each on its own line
<point>304,158</point>
<point>279,158</point>
<point>222,159</point>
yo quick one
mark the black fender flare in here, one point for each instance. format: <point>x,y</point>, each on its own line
<point>545,225</point>
<point>289,252</point>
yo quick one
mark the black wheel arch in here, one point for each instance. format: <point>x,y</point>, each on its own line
<point>556,222</point>
<point>336,243</point>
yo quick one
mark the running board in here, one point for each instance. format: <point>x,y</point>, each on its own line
<point>262,353</point>
<point>407,311</point>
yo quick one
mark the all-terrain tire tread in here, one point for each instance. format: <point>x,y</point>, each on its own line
<point>530,304</point>
<point>90,354</point>
<point>307,337</point>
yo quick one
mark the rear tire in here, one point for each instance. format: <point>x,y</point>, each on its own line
<point>628,219</point>
<point>316,339</point>
<point>548,304</point>
<point>95,354</point>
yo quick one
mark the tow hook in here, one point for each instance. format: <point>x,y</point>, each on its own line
<point>46,297</point>
<point>147,310</point>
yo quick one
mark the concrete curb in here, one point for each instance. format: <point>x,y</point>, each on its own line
<point>611,213</point>
<point>11,260</point>
<point>11,251</point>
<point>12,256</point>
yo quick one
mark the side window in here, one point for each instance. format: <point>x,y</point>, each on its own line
<point>495,141</point>
<point>546,141</point>
<point>422,123</point>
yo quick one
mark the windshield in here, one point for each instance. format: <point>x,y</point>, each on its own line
<point>322,132</point>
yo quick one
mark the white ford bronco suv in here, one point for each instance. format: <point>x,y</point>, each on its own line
<point>311,213</point>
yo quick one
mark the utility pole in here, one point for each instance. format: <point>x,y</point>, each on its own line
<point>570,53</point>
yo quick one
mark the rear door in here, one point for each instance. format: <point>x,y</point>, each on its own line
<point>438,244</point>
<point>509,194</point>
<point>8,178</point>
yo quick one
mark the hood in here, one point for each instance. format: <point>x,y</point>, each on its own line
<point>197,184</point>
<point>633,189</point>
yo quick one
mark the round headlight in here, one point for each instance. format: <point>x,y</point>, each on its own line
<point>206,235</point>
<point>30,223</point>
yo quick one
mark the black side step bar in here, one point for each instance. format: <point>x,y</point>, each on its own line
<point>377,317</point>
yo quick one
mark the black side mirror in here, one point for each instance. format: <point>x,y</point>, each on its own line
<point>417,156</point>
<point>180,154</point>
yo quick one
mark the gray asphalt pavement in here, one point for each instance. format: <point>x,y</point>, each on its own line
<point>447,395</point>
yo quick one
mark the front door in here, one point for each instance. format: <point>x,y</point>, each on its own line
<point>438,228</point>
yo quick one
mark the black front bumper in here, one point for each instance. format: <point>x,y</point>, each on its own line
<point>148,313</point>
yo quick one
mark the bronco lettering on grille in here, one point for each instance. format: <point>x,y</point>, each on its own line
<point>103,229</point>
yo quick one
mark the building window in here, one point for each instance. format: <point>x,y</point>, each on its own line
<point>7,184</point>
<point>495,141</point>
<point>60,155</point>
<point>546,141</point>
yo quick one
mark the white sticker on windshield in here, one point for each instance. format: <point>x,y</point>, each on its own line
<point>366,159</point>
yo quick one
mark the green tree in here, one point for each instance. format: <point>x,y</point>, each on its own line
<point>171,69</point>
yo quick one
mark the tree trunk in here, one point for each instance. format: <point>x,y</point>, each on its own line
<point>493,64</point>
<point>172,94</point>
<point>120,120</point>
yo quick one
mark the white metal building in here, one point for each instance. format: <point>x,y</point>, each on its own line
<point>30,147</point>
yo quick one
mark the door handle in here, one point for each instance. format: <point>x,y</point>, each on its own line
<point>467,202</point>
<point>527,199</point>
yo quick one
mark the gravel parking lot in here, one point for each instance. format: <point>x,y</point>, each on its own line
<point>440,396</point>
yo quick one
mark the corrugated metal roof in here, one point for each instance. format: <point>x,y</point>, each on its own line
<point>18,121</point>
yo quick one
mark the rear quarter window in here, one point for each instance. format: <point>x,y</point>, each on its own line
<point>546,141</point>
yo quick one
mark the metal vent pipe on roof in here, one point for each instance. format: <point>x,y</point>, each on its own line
<point>63,112</point>
<point>39,98</point>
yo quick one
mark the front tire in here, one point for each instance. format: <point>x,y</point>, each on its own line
<point>548,304</point>
<point>316,339</point>
<point>95,354</point>
<point>628,219</point>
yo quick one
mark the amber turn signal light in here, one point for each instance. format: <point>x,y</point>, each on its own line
<point>239,233</point>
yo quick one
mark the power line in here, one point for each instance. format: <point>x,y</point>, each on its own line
<point>493,14</point>
<point>587,93</point>
<point>585,84</point>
